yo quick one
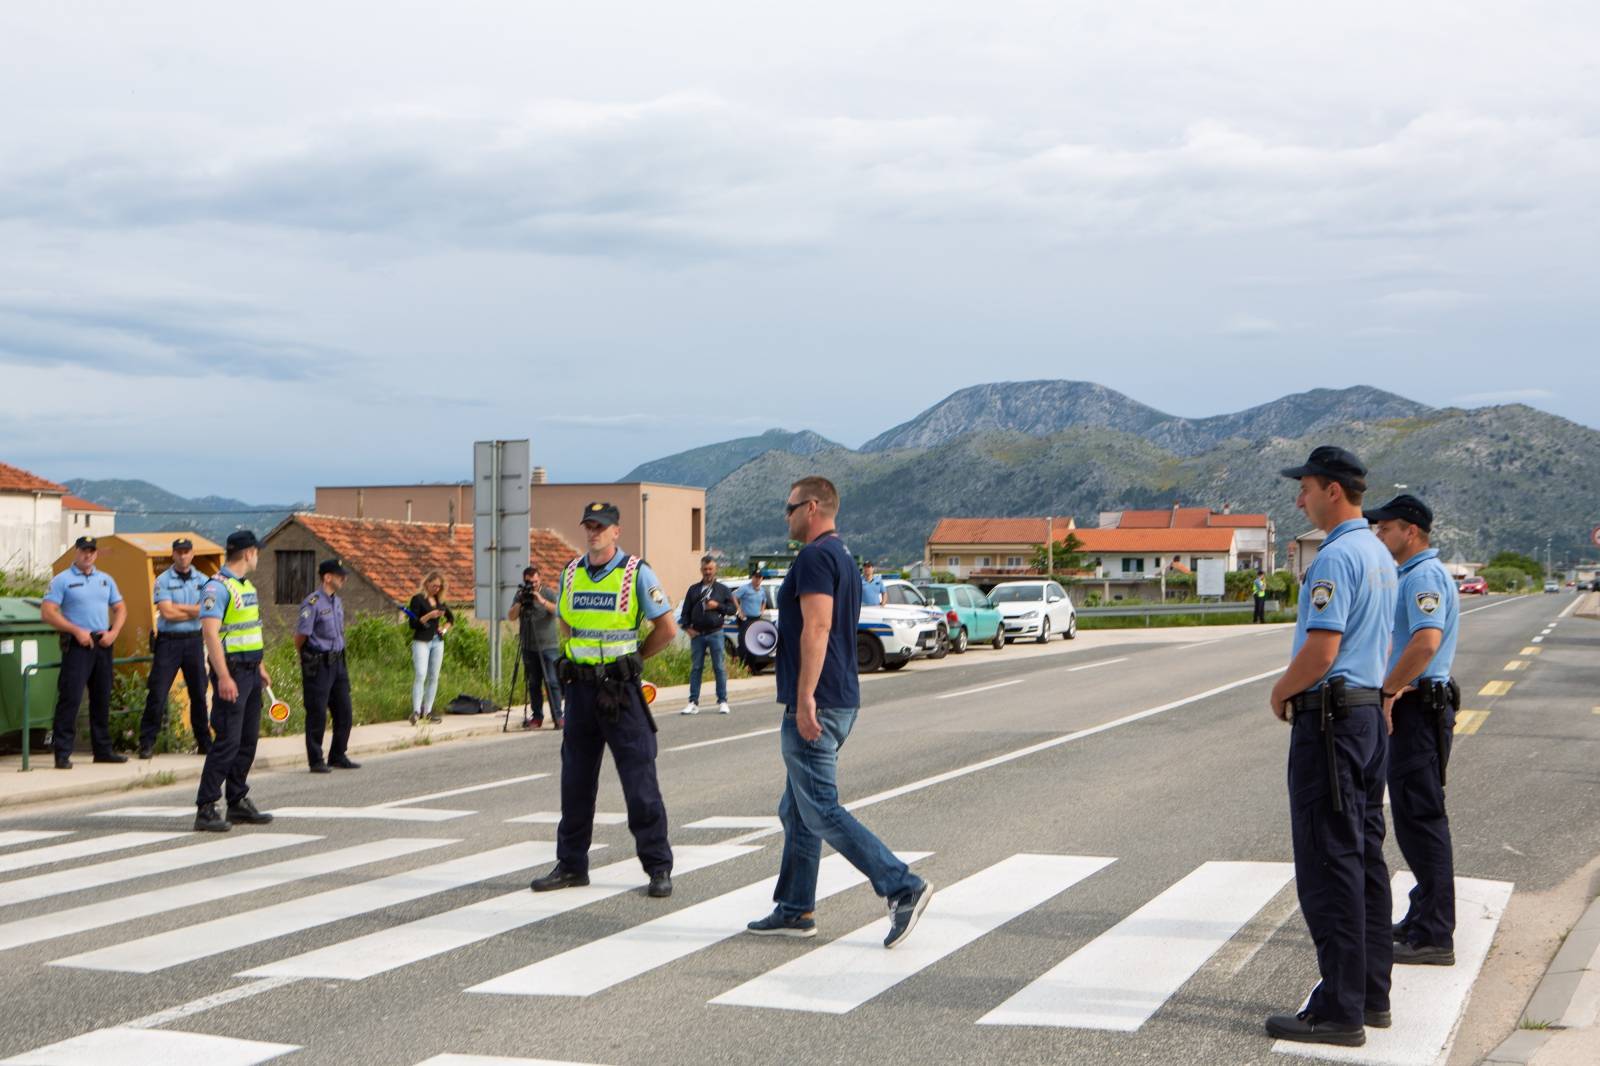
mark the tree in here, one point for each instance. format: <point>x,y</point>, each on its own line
<point>1509,560</point>
<point>1068,555</point>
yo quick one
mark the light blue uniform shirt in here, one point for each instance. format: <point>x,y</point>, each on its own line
<point>1427,601</point>
<point>180,589</point>
<point>1351,589</point>
<point>751,600</point>
<point>647,587</point>
<point>871,592</point>
<point>85,599</point>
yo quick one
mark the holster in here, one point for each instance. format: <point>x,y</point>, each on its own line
<point>1440,698</point>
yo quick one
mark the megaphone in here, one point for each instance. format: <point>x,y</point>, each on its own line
<point>760,638</point>
<point>277,710</point>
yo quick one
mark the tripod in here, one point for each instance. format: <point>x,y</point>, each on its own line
<point>544,680</point>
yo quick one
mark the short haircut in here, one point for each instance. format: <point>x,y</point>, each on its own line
<point>819,489</point>
<point>531,568</point>
<point>235,555</point>
<point>1354,491</point>
<point>704,559</point>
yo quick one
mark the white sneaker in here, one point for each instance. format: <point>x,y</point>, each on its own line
<point>690,709</point>
<point>723,708</point>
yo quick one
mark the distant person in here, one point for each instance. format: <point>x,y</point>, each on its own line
<point>177,646</point>
<point>85,607</point>
<point>539,639</point>
<point>748,603</point>
<point>1177,566</point>
<point>324,677</point>
<point>819,604</point>
<point>430,618</point>
<point>1258,593</point>
<point>706,607</point>
<point>230,619</point>
<point>872,590</point>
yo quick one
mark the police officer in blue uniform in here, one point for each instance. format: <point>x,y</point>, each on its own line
<point>1422,699</point>
<point>177,646</point>
<point>85,606</point>
<point>1338,755</point>
<point>603,596</point>
<point>319,635</point>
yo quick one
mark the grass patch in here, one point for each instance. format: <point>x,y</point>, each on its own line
<point>17,583</point>
<point>1535,1023</point>
<point>159,779</point>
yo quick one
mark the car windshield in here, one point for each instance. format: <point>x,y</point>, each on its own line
<point>905,596</point>
<point>939,596</point>
<point>1017,594</point>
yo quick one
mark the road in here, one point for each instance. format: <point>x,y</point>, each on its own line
<point>1106,827</point>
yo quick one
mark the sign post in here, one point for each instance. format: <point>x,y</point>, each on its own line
<point>500,530</point>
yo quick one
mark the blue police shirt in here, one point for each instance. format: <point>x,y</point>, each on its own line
<point>647,587</point>
<point>214,595</point>
<point>871,592</point>
<point>85,599</point>
<point>1351,589</point>
<point>321,622</point>
<point>824,566</point>
<point>1427,601</point>
<point>183,590</point>
<point>751,600</point>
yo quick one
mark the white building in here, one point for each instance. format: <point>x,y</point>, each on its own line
<point>39,519</point>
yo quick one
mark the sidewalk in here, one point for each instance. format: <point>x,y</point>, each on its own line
<point>1560,1026</point>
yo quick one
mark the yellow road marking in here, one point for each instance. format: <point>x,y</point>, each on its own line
<point>1496,688</point>
<point>1517,664</point>
<point>1531,650</point>
<point>1469,722</point>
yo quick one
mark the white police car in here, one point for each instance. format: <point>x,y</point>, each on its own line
<point>887,636</point>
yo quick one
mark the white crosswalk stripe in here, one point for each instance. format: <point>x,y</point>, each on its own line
<point>1122,977</point>
<point>79,849</point>
<point>12,837</point>
<point>493,1060</point>
<point>192,893</point>
<point>164,950</point>
<point>356,814</point>
<point>848,972</point>
<point>140,1047</point>
<point>1427,1001</point>
<point>554,818</point>
<point>388,949</point>
<point>77,879</point>
<point>600,964</point>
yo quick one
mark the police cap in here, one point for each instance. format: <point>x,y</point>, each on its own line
<point>330,566</point>
<point>1406,508</point>
<point>240,539</point>
<point>86,544</point>
<point>182,544</point>
<point>1335,464</point>
<point>604,513</point>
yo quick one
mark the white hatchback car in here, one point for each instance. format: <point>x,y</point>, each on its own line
<point>1037,609</point>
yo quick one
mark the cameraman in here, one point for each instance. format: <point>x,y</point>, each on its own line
<point>539,637</point>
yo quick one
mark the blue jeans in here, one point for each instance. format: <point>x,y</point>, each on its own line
<point>697,661</point>
<point>811,813</point>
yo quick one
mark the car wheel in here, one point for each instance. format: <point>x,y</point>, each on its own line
<point>1044,632</point>
<point>895,666</point>
<point>869,654</point>
<point>941,644</point>
<point>959,644</point>
<point>999,637</point>
<point>1072,627</point>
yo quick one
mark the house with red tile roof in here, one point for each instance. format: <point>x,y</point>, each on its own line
<point>30,520</point>
<point>1256,542</point>
<point>85,518</point>
<point>992,549</point>
<point>386,560</point>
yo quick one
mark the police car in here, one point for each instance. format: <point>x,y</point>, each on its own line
<point>887,636</point>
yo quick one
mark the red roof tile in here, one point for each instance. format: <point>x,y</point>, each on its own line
<point>70,502</point>
<point>16,479</point>
<point>1239,521</point>
<point>1172,518</point>
<point>996,530</point>
<point>1155,540</point>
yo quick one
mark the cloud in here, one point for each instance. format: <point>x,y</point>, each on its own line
<point>1250,326</point>
<point>1480,399</point>
<point>1426,300</point>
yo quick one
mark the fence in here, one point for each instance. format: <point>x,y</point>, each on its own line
<point>1149,610</point>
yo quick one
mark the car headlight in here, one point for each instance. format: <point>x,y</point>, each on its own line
<point>904,623</point>
<point>1029,614</point>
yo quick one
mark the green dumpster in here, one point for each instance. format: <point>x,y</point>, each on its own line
<point>25,640</point>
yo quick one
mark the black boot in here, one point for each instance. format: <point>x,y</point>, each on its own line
<point>560,877</point>
<point>210,820</point>
<point>246,811</point>
<point>1307,1028</point>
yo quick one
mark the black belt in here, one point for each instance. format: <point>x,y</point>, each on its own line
<point>1311,701</point>
<point>325,656</point>
<point>191,634</point>
<point>243,660</point>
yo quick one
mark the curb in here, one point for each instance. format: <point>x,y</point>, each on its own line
<point>1568,996</point>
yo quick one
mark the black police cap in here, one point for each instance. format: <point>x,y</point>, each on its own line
<point>330,566</point>
<point>86,544</point>
<point>604,513</point>
<point>1334,463</point>
<point>1405,507</point>
<point>182,544</point>
<point>240,539</point>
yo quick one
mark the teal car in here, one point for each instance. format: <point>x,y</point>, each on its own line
<point>971,618</point>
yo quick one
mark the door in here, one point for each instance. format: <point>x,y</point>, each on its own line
<point>985,619</point>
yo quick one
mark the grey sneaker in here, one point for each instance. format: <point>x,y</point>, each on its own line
<point>904,912</point>
<point>775,924</point>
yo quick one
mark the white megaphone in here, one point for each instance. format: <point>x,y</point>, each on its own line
<point>760,638</point>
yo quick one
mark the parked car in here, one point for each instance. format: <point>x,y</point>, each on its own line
<point>1037,609</point>
<point>897,592</point>
<point>969,615</point>
<point>1552,586</point>
<point>1473,586</point>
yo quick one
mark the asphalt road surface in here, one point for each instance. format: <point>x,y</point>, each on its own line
<point>1106,828</point>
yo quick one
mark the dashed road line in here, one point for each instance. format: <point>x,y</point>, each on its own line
<point>1469,722</point>
<point>1107,662</point>
<point>1496,688</point>
<point>725,740</point>
<point>980,688</point>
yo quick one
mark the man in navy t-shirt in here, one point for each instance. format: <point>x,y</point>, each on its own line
<point>819,604</point>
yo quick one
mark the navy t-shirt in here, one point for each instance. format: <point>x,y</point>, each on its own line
<point>823,566</point>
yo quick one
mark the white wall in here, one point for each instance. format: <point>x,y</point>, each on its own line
<point>75,524</point>
<point>30,532</point>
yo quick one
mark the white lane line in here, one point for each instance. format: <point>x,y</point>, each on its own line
<point>358,814</point>
<point>1122,977</point>
<point>13,837</point>
<point>554,818</point>
<point>1200,644</point>
<point>98,875</point>
<point>126,1046</point>
<point>205,1003</point>
<point>725,740</point>
<point>600,964</point>
<point>494,1060</point>
<point>207,890</point>
<point>1428,1001</point>
<point>79,849</point>
<point>402,945</point>
<point>1108,662</point>
<point>760,821</point>
<point>980,688</point>
<point>461,791</point>
<point>164,950</point>
<point>1573,606</point>
<point>840,976</point>
<point>1539,639</point>
<point>1497,603</point>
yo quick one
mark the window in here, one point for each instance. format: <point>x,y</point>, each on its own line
<point>694,529</point>
<point>985,561</point>
<point>297,575</point>
<point>952,561</point>
<point>1013,560</point>
<point>1132,566</point>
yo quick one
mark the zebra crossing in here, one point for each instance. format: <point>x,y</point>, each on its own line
<point>1115,983</point>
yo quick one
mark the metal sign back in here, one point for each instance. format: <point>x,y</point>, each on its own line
<point>500,523</point>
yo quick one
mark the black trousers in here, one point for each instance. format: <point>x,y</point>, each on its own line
<point>1261,609</point>
<point>237,724</point>
<point>632,740</point>
<point>1421,827</point>
<point>326,685</point>
<point>83,668</point>
<point>176,652</point>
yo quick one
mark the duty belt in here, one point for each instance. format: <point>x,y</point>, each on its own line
<point>1333,702</point>
<point>1311,701</point>
<point>1437,699</point>
<point>325,656</point>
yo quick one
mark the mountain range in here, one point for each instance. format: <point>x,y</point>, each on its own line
<point>1498,477</point>
<point>143,508</point>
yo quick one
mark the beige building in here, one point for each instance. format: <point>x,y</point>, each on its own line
<point>666,524</point>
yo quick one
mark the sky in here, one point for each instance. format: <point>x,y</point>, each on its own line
<point>250,250</point>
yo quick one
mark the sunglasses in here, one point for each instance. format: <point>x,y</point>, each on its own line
<point>791,508</point>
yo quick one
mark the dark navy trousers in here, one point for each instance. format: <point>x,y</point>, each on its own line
<point>237,724</point>
<point>1421,827</point>
<point>1339,870</point>
<point>83,668</point>
<point>175,652</point>
<point>632,741</point>
<point>325,682</point>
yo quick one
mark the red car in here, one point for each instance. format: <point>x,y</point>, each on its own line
<point>1473,585</point>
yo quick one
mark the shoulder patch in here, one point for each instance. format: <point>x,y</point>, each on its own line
<point>1427,602</point>
<point>311,599</point>
<point>658,597</point>
<point>210,603</point>
<point>305,612</point>
<point>1321,593</point>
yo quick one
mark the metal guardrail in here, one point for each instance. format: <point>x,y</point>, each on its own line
<point>1157,610</point>
<point>27,678</point>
